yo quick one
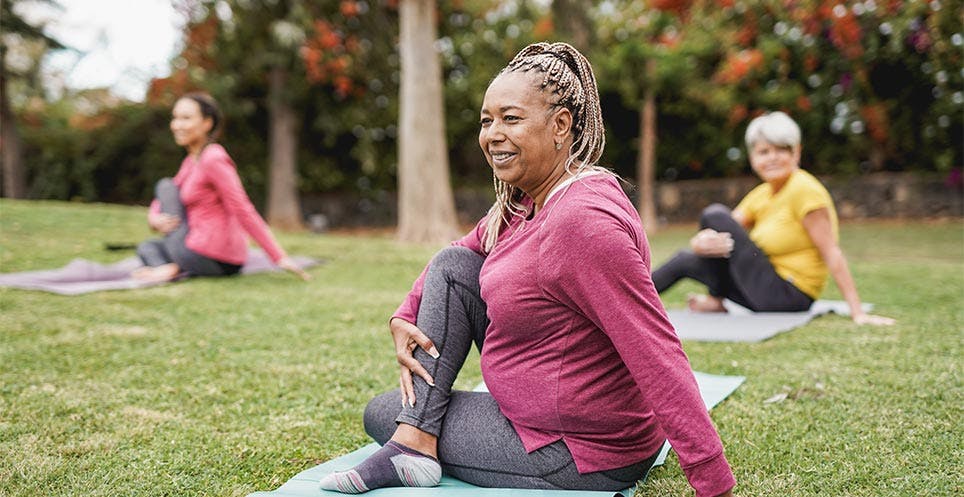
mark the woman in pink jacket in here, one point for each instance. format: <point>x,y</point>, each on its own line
<point>203,213</point>
<point>586,375</point>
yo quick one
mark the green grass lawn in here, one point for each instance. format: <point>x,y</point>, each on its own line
<point>224,387</point>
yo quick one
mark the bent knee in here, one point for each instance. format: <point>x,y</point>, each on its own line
<point>455,255</point>
<point>455,259</point>
<point>715,216</point>
<point>164,184</point>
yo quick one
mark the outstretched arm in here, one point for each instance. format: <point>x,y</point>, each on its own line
<point>224,177</point>
<point>818,226</point>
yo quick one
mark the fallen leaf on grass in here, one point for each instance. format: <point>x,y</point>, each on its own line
<point>815,392</point>
<point>780,397</point>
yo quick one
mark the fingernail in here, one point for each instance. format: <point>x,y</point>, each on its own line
<point>431,384</point>
<point>411,403</point>
<point>433,352</point>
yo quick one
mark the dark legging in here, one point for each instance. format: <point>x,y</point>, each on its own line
<point>476,443</point>
<point>171,248</point>
<point>746,277</point>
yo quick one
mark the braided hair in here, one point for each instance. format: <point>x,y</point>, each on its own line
<point>568,79</point>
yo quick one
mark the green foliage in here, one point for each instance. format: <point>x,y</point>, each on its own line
<point>874,86</point>
<point>228,386</point>
<point>114,156</point>
<point>18,30</point>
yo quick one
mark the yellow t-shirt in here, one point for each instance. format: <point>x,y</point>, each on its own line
<point>778,230</point>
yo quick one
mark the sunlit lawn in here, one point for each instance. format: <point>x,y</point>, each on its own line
<point>224,387</point>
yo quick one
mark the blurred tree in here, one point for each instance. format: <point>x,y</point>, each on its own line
<point>649,60</point>
<point>875,84</point>
<point>232,46</point>
<point>477,38</point>
<point>16,34</point>
<point>426,206</point>
<point>573,23</point>
<point>279,28</point>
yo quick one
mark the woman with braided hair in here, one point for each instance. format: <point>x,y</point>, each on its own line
<point>586,374</point>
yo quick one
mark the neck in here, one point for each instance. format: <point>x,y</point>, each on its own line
<point>194,150</point>
<point>778,184</point>
<point>541,191</point>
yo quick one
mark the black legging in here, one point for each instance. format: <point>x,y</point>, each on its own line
<point>171,248</point>
<point>747,277</point>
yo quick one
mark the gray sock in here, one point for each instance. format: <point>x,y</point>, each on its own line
<point>393,465</point>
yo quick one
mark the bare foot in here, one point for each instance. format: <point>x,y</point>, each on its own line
<point>705,303</point>
<point>156,274</point>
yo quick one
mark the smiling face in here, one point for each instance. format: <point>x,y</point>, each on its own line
<point>774,163</point>
<point>189,127</point>
<point>520,131</point>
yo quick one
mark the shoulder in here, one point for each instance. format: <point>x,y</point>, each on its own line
<point>592,225</point>
<point>215,153</point>
<point>600,188</point>
<point>758,192</point>
<point>807,184</point>
<point>215,159</point>
<point>592,206</point>
<point>599,193</point>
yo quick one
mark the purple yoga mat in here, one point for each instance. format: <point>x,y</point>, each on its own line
<point>83,276</point>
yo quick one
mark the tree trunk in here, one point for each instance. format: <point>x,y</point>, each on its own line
<point>14,177</point>
<point>284,209</point>
<point>426,206</point>
<point>572,23</point>
<point>646,163</point>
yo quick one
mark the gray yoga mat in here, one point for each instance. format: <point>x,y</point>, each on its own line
<point>740,324</point>
<point>713,388</point>
<point>83,276</point>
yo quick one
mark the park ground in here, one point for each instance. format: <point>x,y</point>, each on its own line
<point>227,386</point>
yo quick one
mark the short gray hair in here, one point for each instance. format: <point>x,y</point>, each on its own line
<point>776,128</point>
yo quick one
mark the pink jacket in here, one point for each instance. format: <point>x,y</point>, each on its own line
<point>219,212</point>
<point>579,347</point>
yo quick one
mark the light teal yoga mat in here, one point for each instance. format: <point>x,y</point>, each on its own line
<point>714,388</point>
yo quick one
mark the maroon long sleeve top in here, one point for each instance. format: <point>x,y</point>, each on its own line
<point>579,347</point>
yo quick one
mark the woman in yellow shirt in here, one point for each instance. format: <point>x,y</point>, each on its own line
<point>774,251</point>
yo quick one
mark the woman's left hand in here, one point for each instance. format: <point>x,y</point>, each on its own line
<point>163,223</point>
<point>289,265</point>
<point>864,318</point>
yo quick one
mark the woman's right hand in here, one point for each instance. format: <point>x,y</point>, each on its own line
<point>289,265</point>
<point>872,319</point>
<point>164,223</point>
<point>711,243</point>
<point>407,336</point>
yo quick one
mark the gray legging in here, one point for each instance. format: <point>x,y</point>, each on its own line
<point>476,443</point>
<point>171,248</point>
<point>747,277</point>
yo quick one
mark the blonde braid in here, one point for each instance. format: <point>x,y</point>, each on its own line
<point>569,77</point>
